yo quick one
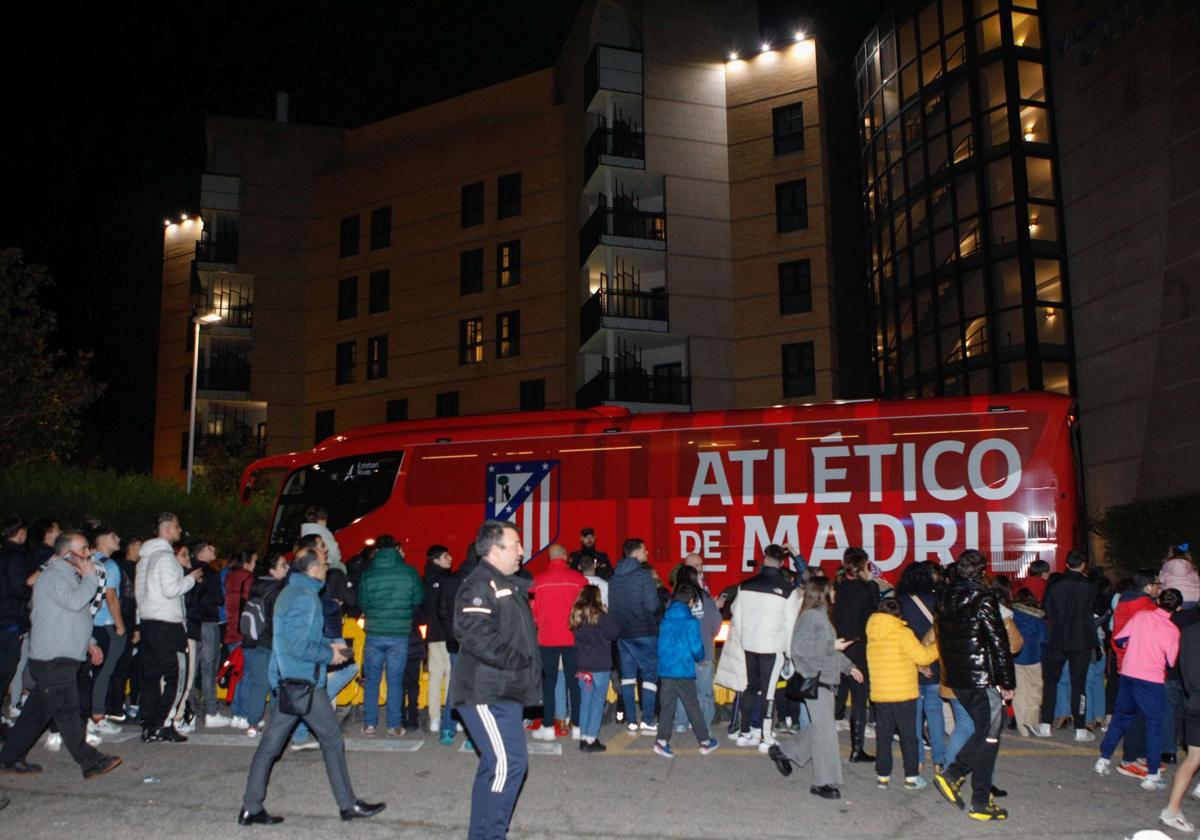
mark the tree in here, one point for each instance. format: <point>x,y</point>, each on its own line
<point>42,392</point>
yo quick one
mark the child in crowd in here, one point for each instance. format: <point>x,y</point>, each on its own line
<point>893,656</point>
<point>679,649</point>
<point>595,631</point>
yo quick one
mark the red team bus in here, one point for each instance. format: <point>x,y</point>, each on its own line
<point>908,480</point>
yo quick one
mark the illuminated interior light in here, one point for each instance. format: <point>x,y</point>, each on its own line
<point>526,452</point>
<point>800,36</point>
<point>828,437</point>
<point>963,431</point>
<point>733,56</point>
<point>448,457</point>
<point>166,222</point>
<point>766,47</point>
<point>369,541</point>
<point>714,444</point>
<point>1029,135</point>
<point>723,633</point>
<point>599,448</point>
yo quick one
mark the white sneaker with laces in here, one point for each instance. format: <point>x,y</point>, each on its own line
<point>252,731</point>
<point>575,733</point>
<point>54,741</point>
<point>103,727</point>
<point>869,732</point>
<point>765,745</point>
<point>1154,781</point>
<point>1103,767</point>
<point>632,726</point>
<point>1084,735</point>
<point>843,726</point>
<point>239,722</point>
<point>1042,730</point>
<point>216,721</point>
<point>1176,820</point>
<point>93,740</point>
<point>649,728</point>
<point>544,733</point>
<point>183,727</point>
<point>749,739</point>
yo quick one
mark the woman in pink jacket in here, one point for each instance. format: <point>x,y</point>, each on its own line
<point>1179,572</point>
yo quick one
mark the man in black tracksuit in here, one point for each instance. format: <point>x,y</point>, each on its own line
<point>856,600</point>
<point>1070,640</point>
<point>498,674</point>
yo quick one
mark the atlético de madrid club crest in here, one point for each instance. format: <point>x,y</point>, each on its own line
<point>526,493</point>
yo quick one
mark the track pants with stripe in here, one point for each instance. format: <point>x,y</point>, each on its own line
<point>498,732</point>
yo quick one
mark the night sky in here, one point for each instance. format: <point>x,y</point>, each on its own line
<point>105,134</point>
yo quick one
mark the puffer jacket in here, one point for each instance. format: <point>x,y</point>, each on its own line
<point>498,655</point>
<point>633,600</point>
<point>1179,573</point>
<point>765,612</point>
<point>298,644</point>
<point>161,583</point>
<point>1031,623</point>
<point>853,607</point>
<point>554,592</point>
<point>1068,608</point>
<point>893,655</point>
<point>390,591</point>
<point>974,644</point>
<point>679,644</point>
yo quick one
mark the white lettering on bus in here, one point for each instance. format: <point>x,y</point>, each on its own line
<point>975,469</point>
<point>929,471</point>
<point>875,453</point>
<point>748,457</point>
<point>719,486</point>
<point>782,497</point>
<point>924,542</point>
<point>870,521</point>
<point>823,474</point>
<point>787,531</point>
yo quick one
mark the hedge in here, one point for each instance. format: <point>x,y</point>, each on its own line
<point>129,504</point>
<point>1139,533</point>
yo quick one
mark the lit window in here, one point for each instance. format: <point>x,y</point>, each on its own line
<point>377,357</point>
<point>508,335</point>
<point>470,341</point>
<point>508,264</point>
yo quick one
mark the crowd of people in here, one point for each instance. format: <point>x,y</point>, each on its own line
<point>98,632</point>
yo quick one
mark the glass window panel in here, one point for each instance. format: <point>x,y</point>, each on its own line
<point>972,285</point>
<point>908,360</point>
<point>1026,4</point>
<point>1006,284</point>
<point>991,85</point>
<point>895,148</point>
<point>925,322</point>
<point>919,221</point>
<point>1026,32</point>
<point>909,85</point>
<point>1032,81</point>
<point>960,101</point>
<point>987,34</point>
<point>975,339</point>
<point>891,98</point>
<point>895,180</point>
<point>931,64</point>
<point>939,158</point>
<point>969,238</point>
<point>877,110</point>
<point>995,132</point>
<point>1043,223</point>
<point>1000,182</point>
<point>915,165</point>
<point>906,44</point>
<point>956,51</point>
<point>921,258</point>
<point>926,346</point>
<point>945,248</point>
<point>901,231</point>
<point>1041,178</point>
<point>1010,333</point>
<point>928,22</point>
<point>1035,124</point>
<point>887,55</point>
<point>1013,377</point>
<point>910,122</point>
<point>1056,375</point>
<point>873,73</point>
<point>964,187</point>
<point>1048,277</point>
<point>935,115</point>
<point>1004,225</point>
<point>1052,328</point>
<point>980,381</point>
<point>985,7</point>
<point>951,15</point>
<point>952,386</point>
<point>962,143</point>
<point>952,345</point>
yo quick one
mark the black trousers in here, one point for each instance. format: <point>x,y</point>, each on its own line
<point>857,692</point>
<point>10,657</point>
<point>128,670</point>
<point>55,696</point>
<point>1052,665</point>
<point>162,641</point>
<point>760,667</point>
<point>891,719</point>
<point>978,756</point>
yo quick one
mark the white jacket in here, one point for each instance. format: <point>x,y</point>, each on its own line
<point>331,543</point>
<point>160,583</point>
<point>764,620</point>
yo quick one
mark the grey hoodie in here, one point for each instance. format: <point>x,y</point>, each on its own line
<point>62,618</point>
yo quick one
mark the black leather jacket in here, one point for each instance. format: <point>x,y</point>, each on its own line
<point>972,639</point>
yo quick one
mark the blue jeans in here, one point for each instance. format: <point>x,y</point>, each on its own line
<point>251,694</point>
<point>964,728</point>
<point>640,654</point>
<point>1174,697</point>
<point>704,694</point>
<point>1093,690</point>
<point>335,681</point>
<point>382,653</point>
<point>929,708</point>
<point>560,694</point>
<point>1134,696</point>
<point>591,703</point>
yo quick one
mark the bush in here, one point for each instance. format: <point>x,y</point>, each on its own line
<point>1138,534</point>
<point>129,503</point>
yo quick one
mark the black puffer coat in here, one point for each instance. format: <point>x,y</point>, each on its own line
<point>972,639</point>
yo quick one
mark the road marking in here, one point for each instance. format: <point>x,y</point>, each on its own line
<point>534,748</point>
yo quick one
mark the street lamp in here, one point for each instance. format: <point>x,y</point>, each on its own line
<point>198,320</point>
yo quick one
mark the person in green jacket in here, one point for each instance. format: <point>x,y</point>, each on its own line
<point>389,592</point>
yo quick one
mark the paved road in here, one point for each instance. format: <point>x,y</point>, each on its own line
<point>624,793</point>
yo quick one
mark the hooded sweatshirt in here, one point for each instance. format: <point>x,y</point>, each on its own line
<point>893,654</point>
<point>633,600</point>
<point>161,583</point>
<point>331,543</point>
<point>1152,646</point>
<point>679,644</point>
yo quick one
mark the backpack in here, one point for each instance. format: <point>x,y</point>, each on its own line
<point>255,623</point>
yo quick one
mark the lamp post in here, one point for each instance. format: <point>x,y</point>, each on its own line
<point>198,320</point>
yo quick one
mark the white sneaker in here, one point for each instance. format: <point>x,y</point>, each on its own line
<point>544,733</point>
<point>103,727</point>
<point>239,722</point>
<point>575,733</point>
<point>748,739</point>
<point>183,727</point>
<point>1154,781</point>
<point>93,740</point>
<point>252,732</point>
<point>1176,821</point>
<point>869,732</point>
<point>1103,767</point>
<point>1196,791</point>
<point>843,726</point>
<point>54,741</point>
<point>310,744</point>
<point>765,745</point>
<point>648,728</point>
<point>632,726</point>
<point>1042,730</point>
<point>1084,735</point>
<point>216,721</point>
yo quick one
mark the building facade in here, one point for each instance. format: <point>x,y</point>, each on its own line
<point>644,224</point>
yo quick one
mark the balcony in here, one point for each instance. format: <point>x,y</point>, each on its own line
<point>623,309</point>
<point>618,145</point>
<point>226,378</point>
<point>221,252</point>
<point>622,228</point>
<point>654,393</point>
<point>236,444</point>
<point>612,69</point>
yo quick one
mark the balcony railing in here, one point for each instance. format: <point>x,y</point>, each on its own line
<point>636,228</point>
<point>621,303</point>
<point>234,444</point>
<point>612,68</point>
<point>634,386</point>
<point>217,251</point>
<point>626,146</point>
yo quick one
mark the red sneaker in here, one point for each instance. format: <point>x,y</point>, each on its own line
<point>1132,769</point>
<point>536,723</point>
<point>562,728</point>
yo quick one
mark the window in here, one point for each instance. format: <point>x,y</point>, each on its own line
<point>795,287</point>
<point>791,206</point>
<point>377,357</point>
<point>381,227</point>
<point>324,425</point>
<point>508,264</point>
<point>344,374</point>
<point>347,306</point>
<point>508,335</point>
<point>470,341</point>
<point>183,450</point>
<point>470,272</point>
<point>799,376</point>
<point>508,198</point>
<point>472,205</point>
<point>447,404</point>
<point>348,243</point>
<point>533,395</point>
<point>397,410</point>
<point>788,128</point>
<point>379,291</point>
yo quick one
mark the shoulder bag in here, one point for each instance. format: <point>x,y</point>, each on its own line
<point>296,695</point>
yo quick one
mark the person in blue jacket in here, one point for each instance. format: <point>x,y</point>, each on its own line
<point>679,649</point>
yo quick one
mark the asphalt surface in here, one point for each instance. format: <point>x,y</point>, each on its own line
<point>624,793</point>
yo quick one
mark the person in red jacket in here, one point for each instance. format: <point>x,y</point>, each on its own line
<point>553,595</point>
<point>237,590</point>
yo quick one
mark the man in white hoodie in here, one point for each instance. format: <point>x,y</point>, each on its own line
<point>160,588</point>
<point>316,521</point>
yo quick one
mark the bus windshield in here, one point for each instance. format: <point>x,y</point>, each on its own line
<point>346,487</point>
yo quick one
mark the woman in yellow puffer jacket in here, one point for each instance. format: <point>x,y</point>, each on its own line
<point>893,656</point>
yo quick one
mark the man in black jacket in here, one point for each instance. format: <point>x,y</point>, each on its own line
<point>1070,639</point>
<point>14,594</point>
<point>857,597</point>
<point>977,664</point>
<point>204,623</point>
<point>498,673</point>
<point>441,584</point>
